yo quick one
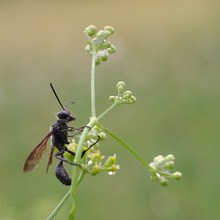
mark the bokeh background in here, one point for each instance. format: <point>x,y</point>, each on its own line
<point>168,53</point>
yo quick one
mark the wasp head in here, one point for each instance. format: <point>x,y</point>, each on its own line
<point>66,115</point>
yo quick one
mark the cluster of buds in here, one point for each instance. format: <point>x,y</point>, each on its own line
<point>98,44</point>
<point>93,161</point>
<point>161,169</point>
<point>123,97</point>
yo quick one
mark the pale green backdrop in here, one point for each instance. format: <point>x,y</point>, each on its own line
<point>168,53</point>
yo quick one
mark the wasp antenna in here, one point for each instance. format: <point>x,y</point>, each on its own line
<point>69,103</point>
<point>56,96</point>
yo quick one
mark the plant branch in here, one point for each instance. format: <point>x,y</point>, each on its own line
<point>59,206</point>
<point>127,147</point>
<point>106,111</point>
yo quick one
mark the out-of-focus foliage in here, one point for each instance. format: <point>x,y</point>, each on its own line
<point>167,52</point>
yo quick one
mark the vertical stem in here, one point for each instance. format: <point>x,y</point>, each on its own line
<point>75,175</point>
<point>76,171</point>
<point>93,109</point>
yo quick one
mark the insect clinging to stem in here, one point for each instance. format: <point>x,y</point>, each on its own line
<point>59,138</point>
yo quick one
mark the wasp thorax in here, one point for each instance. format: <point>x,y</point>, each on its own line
<point>64,114</point>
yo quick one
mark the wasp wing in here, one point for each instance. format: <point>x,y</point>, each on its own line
<point>50,158</point>
<point>35,156</point>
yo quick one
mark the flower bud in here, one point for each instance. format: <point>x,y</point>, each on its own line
<point>120,86</point>
<point>102,135</point>
<point>127,94</point>
<point>103,55</point>
<point>104,58</point>
<point>88,48</point>
<point>112,170</point>
<point>72,147</point>
<point>95,170</point>
<point>177,175</point>
<point>163,181</point>
<point>169,157</point>
<point>98,61</point>
<point>90,30</point>
<point>106,44</point>
<point>110,161</point>
<point>158,159</point>
<point>109,29</point>
<point>132,99</point>
<point>101,34</point>
<point>112,98</point>
<point>112,49</point>
<point>169,165</point>
<point>96,157</point>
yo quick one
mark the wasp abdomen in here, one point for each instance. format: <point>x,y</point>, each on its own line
<point>62,174</point>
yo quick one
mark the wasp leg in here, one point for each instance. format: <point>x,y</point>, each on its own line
<point>59,156</point>
<point>83,153</point>
<point>78,130</point>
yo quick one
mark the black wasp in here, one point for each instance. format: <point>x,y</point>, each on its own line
<point>59,138</point>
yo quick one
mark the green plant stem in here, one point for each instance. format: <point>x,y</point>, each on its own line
<point>127,147</point>
<point>59,206</point>
<point>64,199</point>
<point>75,174</point>
<point>76,169</point>
<point>93,108</point>
<point>106,111</point>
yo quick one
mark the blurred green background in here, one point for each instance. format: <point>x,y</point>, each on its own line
<point>168,54</point>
